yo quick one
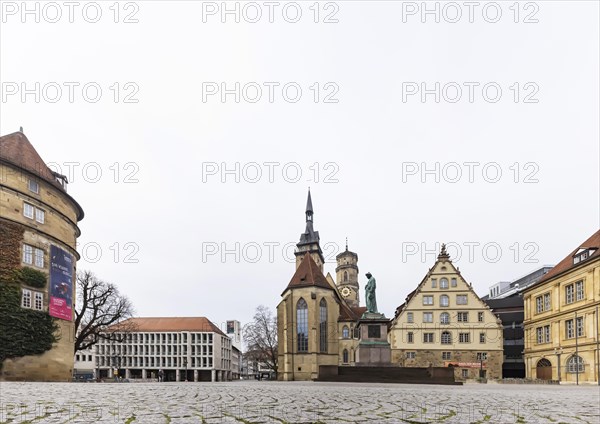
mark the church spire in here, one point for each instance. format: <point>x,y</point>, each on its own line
<point>309,207</point>
<point>309,240</point>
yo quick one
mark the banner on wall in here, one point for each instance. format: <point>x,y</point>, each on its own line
<point>61,284</point>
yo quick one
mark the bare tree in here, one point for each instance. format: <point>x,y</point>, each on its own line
<point>260,337</point>
<point>99,306</point>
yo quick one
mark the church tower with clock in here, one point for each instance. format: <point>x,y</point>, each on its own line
<point>347,276</point>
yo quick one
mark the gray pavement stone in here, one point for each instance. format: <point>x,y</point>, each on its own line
<point>295,402</point>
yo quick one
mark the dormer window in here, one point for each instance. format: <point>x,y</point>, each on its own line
<point>582,255</point>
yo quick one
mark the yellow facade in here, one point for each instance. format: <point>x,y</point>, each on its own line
<point>56,225</point>
<point>444,322</point>
<point>561,321</point>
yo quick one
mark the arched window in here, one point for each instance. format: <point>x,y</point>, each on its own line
<point>444,300</point>
<point>302,325</point>
<point>446,337</point>
<point>345,332</point>
<point>323,325</point>
<point>345,276</point>
<point>345,356</point>
<point>444,283</point>
<point>575,364</point>
<point>444,318</point>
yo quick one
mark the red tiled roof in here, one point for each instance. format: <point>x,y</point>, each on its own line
<point>308,274</point>
<point>164,324</point>
<point>567,262</point>
<point>17,150</point>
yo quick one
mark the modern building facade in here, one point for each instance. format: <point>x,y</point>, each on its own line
<point>506,302</point>
<point>178,349</point>
<point>38,233</point>
<point>562,338</point>
<point>444,323</point>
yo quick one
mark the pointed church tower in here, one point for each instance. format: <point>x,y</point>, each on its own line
<point>347,276</point>
<point>309,240</point>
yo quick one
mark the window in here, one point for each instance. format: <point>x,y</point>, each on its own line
<point>28,254</point>
<point>465,373</point>
<point>40,215</point>
<point>446,355</point>
<point>427,300</point>
<point>547,302</point>
<point>453,282</point>
<point>461,299</point>
<point>444,300</point>
<point>575,364</point>
<point>433,283</point>
<point>33,186</point>
<point>302,325</point>
<point>38,304</point>
<point>464,338</point>
<point>539,304</point>
<point>481,337</point>
<point>38,257</point>
<point>345,332</point>
<point>411,355</point>
<point>323,325</point>
<point>462,317</point>
<point>427,337</point>
<point>482,356</point>
<point>570,293</point>
<point>446,337</point>
<point>444,318</point>
<point>409,317</point>
<point>28,210</point>
<point>410,337</point>
<point>345,276</point>
<point>26,299</point>
<point>569,330</point>
<point>427,316</point>
<point>479,316</point>
<point>580,331</point>
<point>540,334</point>
<point>579,293</point>
<point>547,334</point>
<point>345,356</point>
<point>443,283</point>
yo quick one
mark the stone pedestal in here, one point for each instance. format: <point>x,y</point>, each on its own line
<point>373,348</point>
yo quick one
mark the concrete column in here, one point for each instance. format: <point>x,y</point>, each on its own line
<point>213,375</point>
<point>177,374</point>
<point>195,375</point>
<point>127,373</point>
<point>144,374</point>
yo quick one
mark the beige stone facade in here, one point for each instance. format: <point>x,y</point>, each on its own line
<point>444,323</point>
<point>36,208</point>
<point>561,319</point>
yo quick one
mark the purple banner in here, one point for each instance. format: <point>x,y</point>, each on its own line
<point>61,284</point>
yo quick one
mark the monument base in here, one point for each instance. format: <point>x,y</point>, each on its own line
<point>373,348</point>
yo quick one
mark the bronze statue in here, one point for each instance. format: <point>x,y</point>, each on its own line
<point>370,294</point>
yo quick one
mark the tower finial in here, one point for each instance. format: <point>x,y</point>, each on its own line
<point>309,206</point>
<point>20,129</point>
<point>346,244</point>
<point>443,254</point>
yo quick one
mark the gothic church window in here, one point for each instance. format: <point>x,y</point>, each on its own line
<point>323,325</point>
<point>302,325</point>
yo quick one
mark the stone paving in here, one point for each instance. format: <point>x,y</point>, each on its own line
<point>295,402</point>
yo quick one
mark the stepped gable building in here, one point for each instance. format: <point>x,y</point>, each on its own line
<point>38,234</point>
<point>178,348</point>
<point>316,316</point>
<point>562,332</point>
<point>443,323</point>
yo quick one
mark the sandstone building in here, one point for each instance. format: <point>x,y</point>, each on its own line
<point>444,323</point>
<point>38,233</point>
<point>561,318</point>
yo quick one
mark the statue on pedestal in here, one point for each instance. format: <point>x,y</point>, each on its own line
<point>370,294</point>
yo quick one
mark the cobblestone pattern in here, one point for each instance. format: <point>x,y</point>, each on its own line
<point>295,402</point>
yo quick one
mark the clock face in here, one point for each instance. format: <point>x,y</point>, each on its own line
<point>345,292</point>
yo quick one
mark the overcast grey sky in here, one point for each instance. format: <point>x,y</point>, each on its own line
<point>480,130</point>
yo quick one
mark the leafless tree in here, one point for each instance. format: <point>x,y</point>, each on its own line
<point>100,306</point>
<point>260,337</point>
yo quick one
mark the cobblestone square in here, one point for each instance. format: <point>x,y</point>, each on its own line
<point>278,402</point>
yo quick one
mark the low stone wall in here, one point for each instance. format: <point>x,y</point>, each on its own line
<point>406,375</point>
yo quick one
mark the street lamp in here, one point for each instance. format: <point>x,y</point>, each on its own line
<point>558,351</point>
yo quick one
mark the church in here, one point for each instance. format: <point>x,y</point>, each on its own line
<point>318,319</point>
